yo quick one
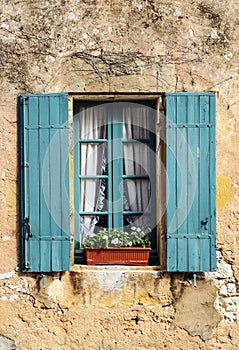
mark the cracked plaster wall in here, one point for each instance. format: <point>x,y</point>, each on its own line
<point>102,46</point>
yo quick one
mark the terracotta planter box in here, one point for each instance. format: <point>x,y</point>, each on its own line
<point>117,256</point>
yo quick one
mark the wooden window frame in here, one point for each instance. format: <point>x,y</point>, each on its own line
<point>159,254</point>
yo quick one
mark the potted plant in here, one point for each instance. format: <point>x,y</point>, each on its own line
<point>118,247</point>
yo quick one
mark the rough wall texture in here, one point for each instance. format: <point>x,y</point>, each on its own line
<point>110,46</point>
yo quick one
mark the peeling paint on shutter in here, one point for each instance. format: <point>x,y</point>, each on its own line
<point>190,165</point>
<point>44,182</point>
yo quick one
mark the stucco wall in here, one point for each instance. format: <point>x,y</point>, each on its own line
<point>110,46</point>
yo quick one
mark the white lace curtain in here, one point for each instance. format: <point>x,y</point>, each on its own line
<point>136,161</point>
<point>93,161</point>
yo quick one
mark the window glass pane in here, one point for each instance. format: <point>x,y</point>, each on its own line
<point>136,195</point>
<point>141,221</point>
<point>136,158</point>
<point>93,159</point>
<point>91,224</point>
<point>93,195</point>
<point>93,123</point>
<point>136,122</point>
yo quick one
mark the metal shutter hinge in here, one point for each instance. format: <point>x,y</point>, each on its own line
<point>26,223</point>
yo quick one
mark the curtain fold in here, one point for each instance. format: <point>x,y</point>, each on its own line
<point>93,162</point>
<point>136,162</point>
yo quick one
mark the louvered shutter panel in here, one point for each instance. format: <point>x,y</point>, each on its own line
<point>190,165</point>
<point>44,182</point>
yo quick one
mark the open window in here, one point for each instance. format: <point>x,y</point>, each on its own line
<point>114,168</point>
<point>132,165</point>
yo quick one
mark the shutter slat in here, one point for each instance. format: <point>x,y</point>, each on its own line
<point>190,165</point>
<point>33,187</point>
<point>193,164</point>
<point>172,244</point>
<point>182,251</point>
<point>204,164</point>
<point>205,246</point>
<point>45,218</point>
<point>172,258</point>
<point>212,152</point>
<point>45,192</point>
<point>194,255</point>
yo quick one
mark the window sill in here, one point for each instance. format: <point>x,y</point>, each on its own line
<point>78,268</point>
<point>112,285</point>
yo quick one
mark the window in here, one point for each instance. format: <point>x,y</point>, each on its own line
<point>114,162</point>
<point>115,183</point>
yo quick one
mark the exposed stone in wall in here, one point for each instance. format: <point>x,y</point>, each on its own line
<point>227,302</point>
<point>39,52</point>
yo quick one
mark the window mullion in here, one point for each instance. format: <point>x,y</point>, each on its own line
<point>110,169</point>
<point>153,191</point>
<point>76,160</point>
<point>117,163</point>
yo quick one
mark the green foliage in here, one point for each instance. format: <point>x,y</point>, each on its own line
<point>137,237</point>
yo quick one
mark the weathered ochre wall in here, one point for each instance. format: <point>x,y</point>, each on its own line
<point>113,46</point>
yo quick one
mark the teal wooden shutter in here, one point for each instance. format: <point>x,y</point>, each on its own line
<point>190,165</point>
<point>44,182</point>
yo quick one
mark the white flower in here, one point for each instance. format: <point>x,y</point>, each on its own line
<point>133,228</point>
<point>115,241</point>
<point>130,244</point>
<point>105,237</point>
<point>138,229</point>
